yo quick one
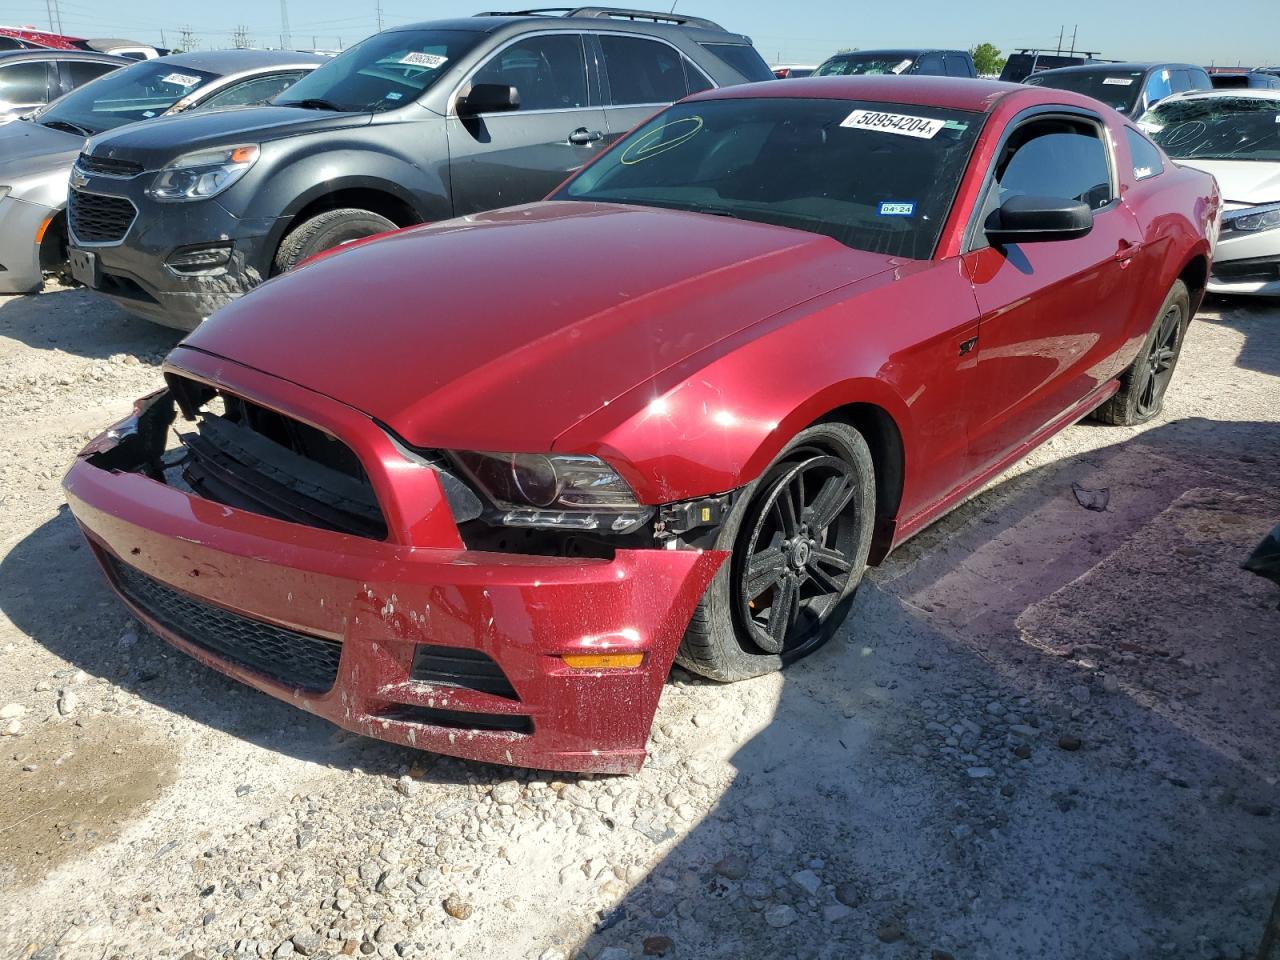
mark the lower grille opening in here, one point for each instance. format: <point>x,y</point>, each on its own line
<point>255,459</point>
<point>459,719</point>
<point>295,659</point>
<point>125,288</point>
<point>461,667</point>
<point>1251,270</point>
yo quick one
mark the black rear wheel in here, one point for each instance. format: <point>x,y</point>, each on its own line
<point>799,538</point>
<point>1143,386</point>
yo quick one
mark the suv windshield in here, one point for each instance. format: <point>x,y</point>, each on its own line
<point>874,176</point>
<point>1217,128</point>
<point>1118,89</point>
<point>390,69</point>
<point>139,92</point>
<point>865,64</point>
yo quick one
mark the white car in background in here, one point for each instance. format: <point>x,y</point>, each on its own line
<point>1234,135</point>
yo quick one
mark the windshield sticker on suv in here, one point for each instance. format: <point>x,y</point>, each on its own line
<point>652,143</point>
<point>181,79</point>
<point>429,60</point>
<point>902,65</point>
<point>896,208</point>
<point>1117,81</point>
<point>922,128</point>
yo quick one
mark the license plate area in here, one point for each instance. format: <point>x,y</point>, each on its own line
<point>84,267</point>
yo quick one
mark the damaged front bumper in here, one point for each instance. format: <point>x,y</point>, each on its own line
<point>411,638</point>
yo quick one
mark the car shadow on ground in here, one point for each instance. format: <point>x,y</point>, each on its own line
<point>1255,319</point>
<point>907,795</point>
<point>78,322</point>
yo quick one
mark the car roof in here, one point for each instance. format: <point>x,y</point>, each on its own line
<point>1260,93</point>
<point>518,22</point>
<point>892,52</point>
<point>54,41</point>
<point>14,56</point>
<point>1107,66</point>
<point>234,61</point>
<point>955,93</point>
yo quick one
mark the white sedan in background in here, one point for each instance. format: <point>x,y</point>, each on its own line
<point>1234,135</point>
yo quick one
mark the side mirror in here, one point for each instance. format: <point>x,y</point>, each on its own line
<point>488,98</point>
<point>1038,219</point>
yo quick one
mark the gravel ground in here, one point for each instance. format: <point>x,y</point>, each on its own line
<point>1047,732</point>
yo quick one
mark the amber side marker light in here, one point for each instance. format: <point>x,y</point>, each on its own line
<point>602,661</point>
<point>44,227</point>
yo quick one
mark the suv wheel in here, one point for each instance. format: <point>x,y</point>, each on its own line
<point>326,230</point>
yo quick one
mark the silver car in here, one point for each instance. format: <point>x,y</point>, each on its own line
<point>38,151</point>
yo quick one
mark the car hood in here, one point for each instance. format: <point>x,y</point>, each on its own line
<point>1243,182</point>
<point>502,330</point>
<point>28,150</point>
<point>156,142</point>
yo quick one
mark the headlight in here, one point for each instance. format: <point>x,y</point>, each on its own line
<point>555,490</point>
<point>204,174</point>
<point>1255,219</point>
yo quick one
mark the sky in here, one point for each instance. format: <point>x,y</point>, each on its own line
<point>797,31</point>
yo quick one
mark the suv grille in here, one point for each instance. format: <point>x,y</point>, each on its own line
<point>296,659</point>
<point>99,219</point>
<point>108,167</point>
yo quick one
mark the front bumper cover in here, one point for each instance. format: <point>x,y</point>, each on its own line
<point>382,600</point>
<point>20,221</point>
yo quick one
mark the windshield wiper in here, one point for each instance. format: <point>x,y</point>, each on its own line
<point>66,126</point>
<point>313,103</point>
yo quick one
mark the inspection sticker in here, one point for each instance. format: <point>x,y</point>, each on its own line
<point>896,208</point>
<point>922,128</point>
<point>428,60</point>
<point>181,79</point>
<point>1117,81</point>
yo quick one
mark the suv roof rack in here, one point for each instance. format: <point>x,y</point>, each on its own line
<point>610,13</point>
<point>1059,52</point>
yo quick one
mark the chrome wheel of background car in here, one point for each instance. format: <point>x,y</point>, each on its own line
<point>1157,366</point>
<point>798,556</point>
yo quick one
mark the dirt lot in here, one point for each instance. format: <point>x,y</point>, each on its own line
<point>1048,732</point>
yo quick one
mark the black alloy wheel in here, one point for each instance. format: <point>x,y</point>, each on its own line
<point>1157,367</point>
<point>800,554</point>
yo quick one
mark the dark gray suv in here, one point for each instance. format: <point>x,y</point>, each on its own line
<point>174,217</point>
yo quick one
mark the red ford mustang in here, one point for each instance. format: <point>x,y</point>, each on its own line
<point>474,486</point>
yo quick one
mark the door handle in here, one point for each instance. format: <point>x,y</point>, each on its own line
<point>1127,250</point>
<point>584,136</point>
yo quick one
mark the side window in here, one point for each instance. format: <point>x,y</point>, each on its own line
<point>1144,154</point>
<point>957,66</point>
<point>252,91</point>
<point>642,71</point>
<point>1158,87</point>
<point>549,71</point>
<point>930,64</point>
<point>695,79</point>
<point>81,72</point>
<point>23,84</point>
<point>1055,158</point>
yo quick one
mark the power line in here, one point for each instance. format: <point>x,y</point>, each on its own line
<point>188,39</point>
<point>241,37</point>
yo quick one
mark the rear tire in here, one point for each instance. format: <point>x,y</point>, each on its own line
<point>805,526</point>
<point>325,231</point>
<point>1143,386</point>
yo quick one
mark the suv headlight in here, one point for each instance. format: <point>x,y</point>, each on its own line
<point>1256,218</point>
<point>555,491</point>
<point>203,174</point>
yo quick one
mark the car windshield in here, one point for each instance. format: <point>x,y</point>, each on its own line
<point>388,70</point>
<point>1217,128</point>
<point>860,64</point>
<point>873,176</point>
<point>139,92</point>
<point>1118,89</point>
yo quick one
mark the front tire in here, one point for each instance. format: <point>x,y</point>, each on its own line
<point>326,230</point>
<point>798,537</point>
<point>1143,386</point>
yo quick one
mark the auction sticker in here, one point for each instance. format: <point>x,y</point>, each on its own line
<point>922,128</point>
<point>181,79</point>
<point>1118,81</point>
<point>896,208</point>
<point>428,60</point>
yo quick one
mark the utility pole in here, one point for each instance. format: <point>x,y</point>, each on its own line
<point>188,41</point>
<point>378,11</point>
<point>241,40</point>
<point>1061,30</point>
<point>286,41</point>
<point>57,14</point>
<point>1074,33</point>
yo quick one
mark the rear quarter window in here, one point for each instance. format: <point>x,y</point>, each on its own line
<point>742,57</point>
<point>1144,154</point>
